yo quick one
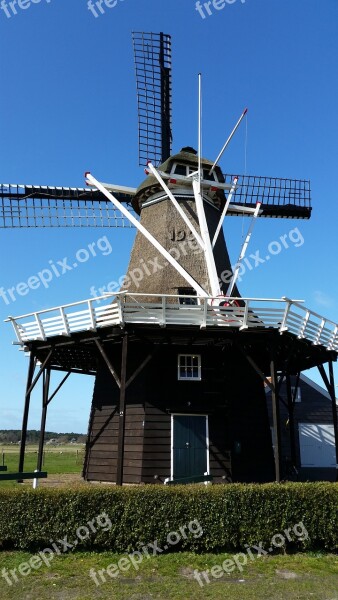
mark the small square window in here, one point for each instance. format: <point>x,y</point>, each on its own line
<point>180,170</point>
<point>185,296</point>
<point>189,367</point>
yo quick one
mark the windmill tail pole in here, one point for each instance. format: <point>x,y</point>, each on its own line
<point>243,251</point>
<point>199,129</point>
<point>228,140</point>
<point>196,183</point>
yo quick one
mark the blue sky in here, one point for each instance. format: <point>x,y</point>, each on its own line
<point>68,105</point>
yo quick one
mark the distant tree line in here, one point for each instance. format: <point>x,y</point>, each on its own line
<point>13,436</point>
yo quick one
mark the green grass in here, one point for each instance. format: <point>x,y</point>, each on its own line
<point>59,460</point>
<point>170,577</point>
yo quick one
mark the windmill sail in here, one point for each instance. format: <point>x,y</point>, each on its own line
<point>46,206</point>
<point>152,52</point>
<point>280,198</point>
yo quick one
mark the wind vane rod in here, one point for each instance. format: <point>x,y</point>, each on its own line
<point>199,128</point>
<point>228,140</point>
<point>202,221</point>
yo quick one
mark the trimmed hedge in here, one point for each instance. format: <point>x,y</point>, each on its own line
<point>231,516</point>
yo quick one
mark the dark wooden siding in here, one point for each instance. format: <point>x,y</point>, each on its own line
<point>157,444</point>
<point>102,449</point>
<point>166,396</point>
<point>219,446</point>
<point>230,393</point>
<point>252,456</point>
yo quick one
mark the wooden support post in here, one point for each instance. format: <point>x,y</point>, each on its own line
<point>122,412</point>
<point>41,370</point>
<point>255,366</point>
<point>329,383</point>
<point>279,387</point>
<point>273,386</point>
<point>108,363</point>
<point>334,413</point>
<point>276,419</point>
<point>291,407</point>
<point>30,386</point>
<point>31,369</point>
<point>139,370</point>
<point>59,387</point>
<point>281,381</point>
<point>45,392</point>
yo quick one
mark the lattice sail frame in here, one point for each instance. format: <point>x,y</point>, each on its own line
<point>152,54</point>
<point>281,198</point>
<point>46,206</point>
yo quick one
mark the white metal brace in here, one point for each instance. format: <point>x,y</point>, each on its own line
<point>228,140</point>
<point>199,290</point>
<point>176,204</point>
<point>120,189</point>
<point>225,210</point>
<point>243,251</point>
<point>208,252</point>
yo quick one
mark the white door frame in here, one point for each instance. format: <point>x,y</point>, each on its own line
<point>172,438</point>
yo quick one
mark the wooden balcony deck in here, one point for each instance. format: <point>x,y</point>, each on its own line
<point>119,309</point>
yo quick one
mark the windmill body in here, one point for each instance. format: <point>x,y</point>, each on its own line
<point>181,361</point>
<point>161,218</point>
<point>193,400</point>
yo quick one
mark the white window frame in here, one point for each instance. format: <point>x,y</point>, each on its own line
<point>179,367</point>
<point>191,169</point>
<point>172,438</point>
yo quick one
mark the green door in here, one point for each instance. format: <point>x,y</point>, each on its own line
<point>189,446</point>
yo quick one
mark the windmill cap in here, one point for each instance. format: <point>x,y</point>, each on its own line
<point>150,185</point>
<point>189,150</point>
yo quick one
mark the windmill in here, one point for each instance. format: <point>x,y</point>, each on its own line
<point>180,359</point>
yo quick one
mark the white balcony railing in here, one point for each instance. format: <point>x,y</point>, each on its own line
<point>117,309</point>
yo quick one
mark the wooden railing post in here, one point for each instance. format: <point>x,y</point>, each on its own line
<point>122,412</point>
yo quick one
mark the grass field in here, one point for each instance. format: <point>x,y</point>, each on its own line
<point>66,459</point>
<point>170,577</point>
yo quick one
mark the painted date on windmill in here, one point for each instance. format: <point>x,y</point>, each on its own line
<point>178,235</point>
